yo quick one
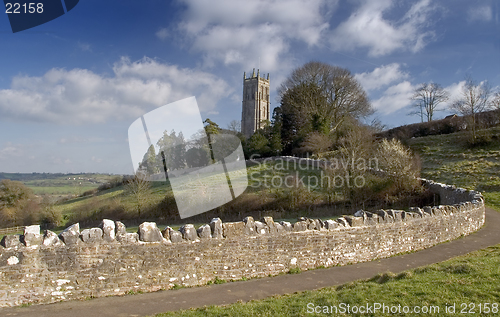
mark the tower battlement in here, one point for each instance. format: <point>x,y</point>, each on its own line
<point>256,103</point>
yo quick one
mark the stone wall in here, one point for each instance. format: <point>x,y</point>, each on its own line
<point>45,268</point>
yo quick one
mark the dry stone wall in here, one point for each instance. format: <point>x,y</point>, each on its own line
<point>77,264</point>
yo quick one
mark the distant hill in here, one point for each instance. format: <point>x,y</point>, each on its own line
<point>32,176</point>
<point>23,177</point>
<point>61,183</point>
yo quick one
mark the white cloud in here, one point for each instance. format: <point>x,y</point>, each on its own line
<point>368,28</point>
<point>482,14</point>
<point>241,31</point>
<point>381,76</point>
<point>162,33</point>
<point>60,160</point>
<point>455,90</point>
<point>79,96</point>
<point>82,140</point>
<point>11,151</point>
<point>395,98</point>
<point>84,46</point>
<point>96,159</point>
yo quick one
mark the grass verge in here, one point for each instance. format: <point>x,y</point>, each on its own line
<point>465,282</point>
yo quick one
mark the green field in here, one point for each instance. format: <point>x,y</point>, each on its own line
<point>60,184</point>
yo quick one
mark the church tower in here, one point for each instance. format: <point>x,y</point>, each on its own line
<point>255,106</point>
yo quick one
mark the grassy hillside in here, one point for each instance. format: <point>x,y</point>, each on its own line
<point>448,159</point>
<point>260,198</point>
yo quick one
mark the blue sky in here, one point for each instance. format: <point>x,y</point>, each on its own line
<point>70,88</point>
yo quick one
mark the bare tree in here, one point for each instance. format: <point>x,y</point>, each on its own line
<point>475,98</point>
<point>234,125</point>
<point>139,188</point>
<point>495,102</point>
<point>427,98</point>
<point>315,143</point>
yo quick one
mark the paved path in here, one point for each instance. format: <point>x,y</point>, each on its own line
<point>153,303</point>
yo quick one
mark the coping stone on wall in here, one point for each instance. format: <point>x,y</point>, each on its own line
<point>261,228</point>
<point>355,221</point>
<point>216,228</point>
<point>32,236</point>
<point>331,225</point>
<point>384,216</point>
<point>204,232</point>
<point>280,229</point>
<point>108,230</point>
<point>120,228</point>
<point>299,226</point>
<point>128,238</point>
<point>428,211</point>
<point>233,229</point>
<point>93,235</point>
<point>149,232</point>
<point>11,241</point>
<point>250,226</point>
<point>71,235</point>
<point>343,222</point>
<point>271,225</point>
<point>172,235</point>
<point>370,219</point>
<point>397,215</point>
<point>188,232</point>
<point>319,224</point>
<point>418,211</point>
<point>50,239</point>
<point>287,226</point>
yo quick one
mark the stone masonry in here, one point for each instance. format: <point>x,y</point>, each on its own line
<point>95,262</point>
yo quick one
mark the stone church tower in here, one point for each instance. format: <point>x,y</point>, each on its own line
<point>255,106</point>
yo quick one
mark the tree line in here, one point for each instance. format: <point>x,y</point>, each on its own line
<point>475,97</point>
<point>19,206</point>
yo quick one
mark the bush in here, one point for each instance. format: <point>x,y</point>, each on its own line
<point>50,218</point>
<point>483,139</point>
<point>89,192</point>
<point>398,161</point>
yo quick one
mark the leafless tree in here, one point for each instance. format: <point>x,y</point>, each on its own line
<point>495,102</point>
<point>315,143</point>
<point>139,188</point>
<point>428,97</point>
<point>234,125</point>
<point>475,98</point>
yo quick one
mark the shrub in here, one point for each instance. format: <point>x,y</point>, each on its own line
<point>89,192</point>
<point>397,160</point>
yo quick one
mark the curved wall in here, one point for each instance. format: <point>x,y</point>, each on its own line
<point>107,261</point>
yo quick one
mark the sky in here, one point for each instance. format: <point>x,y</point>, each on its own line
<point>70,88</point>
